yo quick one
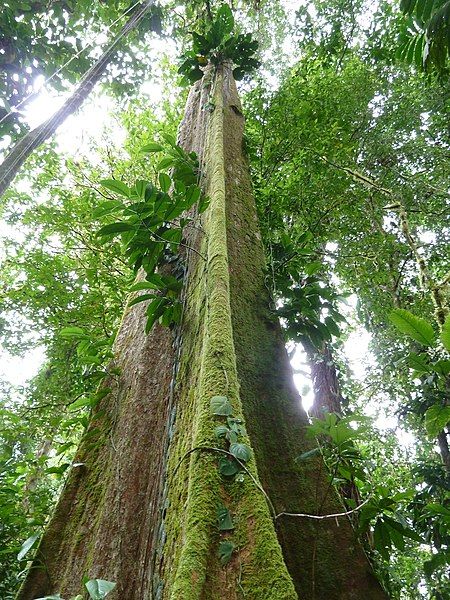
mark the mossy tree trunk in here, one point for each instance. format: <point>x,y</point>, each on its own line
<point>142,511</point>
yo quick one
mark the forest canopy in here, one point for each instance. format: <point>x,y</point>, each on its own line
<point>347,136</point>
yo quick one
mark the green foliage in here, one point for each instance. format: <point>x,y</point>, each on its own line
<point>445,334</point>
<point>416,327</point>
<point>342,110</point>
<point>218,45</point>
<point>220,405</point>
<point>97,589</point>
<point>224,519</point>
<point>425,39</point>
<point>42,41</point>
<point>151,229</point>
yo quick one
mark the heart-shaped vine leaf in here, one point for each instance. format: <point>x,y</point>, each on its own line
<point>241,451</point>
<point>221,431</point>
<point>224,519</point>
<point>225,551</point>
<point>228,467</point>
<point>220,405</point>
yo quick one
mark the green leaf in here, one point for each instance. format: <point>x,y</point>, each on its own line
<point>27,545</point>
<point>152,147</point>
<point>225,551</point>
<point>73,332</point>
<point>164,182</point>
<point>241,451</point>
<point>154,310</point>
<point>116,186</point>
<point>140,186</point>
<point>141,298</point>
<point>145,285</point>
<point>445,335</point>
<point>418,362</point>
<point>438,560</point>
<point>309,454</point>
<point>228,467</point>
<point>106,208</point>
<point>80,403</point>
<point>99,588</point>
<point>221,431</point>
<point>332,326</point>
<point>238,73</point>
<point>416,327</point>
<point>382,539</point>
<point>436,418</point>
<point>220,405</point>
<point>438,509</point>
<point>115,228</point>
<point>312,268</point>
<point>164,164</point>
<point>224,519</point>
<point>442,367</point>
<point>225,20</point>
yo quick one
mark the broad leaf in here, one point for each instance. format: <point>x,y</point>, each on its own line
<point>224,519</point>
<point>116,186</point>
<point>416,327</point>
<point>152,147</point>
<point>164,182</point>
<point>99,588</point>
<point>309,454</point>
<point>221,406</point>
<point>115,228</point>
<point>241,451</point>
<point>27,545</point>
<point>73,332</point>
<point>445,335</point>
<point>228,467</point>
<point>436,418</point>
<point>225,551</point>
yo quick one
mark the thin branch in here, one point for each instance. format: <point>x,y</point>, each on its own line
<point>320,517</point>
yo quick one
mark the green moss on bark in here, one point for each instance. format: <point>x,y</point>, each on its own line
<point>192,570</point>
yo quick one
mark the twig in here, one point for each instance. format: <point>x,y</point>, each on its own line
<point>320,517</point>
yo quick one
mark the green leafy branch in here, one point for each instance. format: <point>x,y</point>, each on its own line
<point>217,45</point>
<point>425,37</point>
<point>379,513</point>
<point>152,218</point>
<point>428,365</point>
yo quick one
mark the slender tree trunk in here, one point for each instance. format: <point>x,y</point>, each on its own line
<point>327,393</point>
<point>143,512</point>
<point>33,139</point>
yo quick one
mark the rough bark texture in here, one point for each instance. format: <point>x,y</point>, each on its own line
<point>327,395</point>
<point>324,559</point>
<point>191,568</point>
<point>104,521</point>
<point>124,513</point>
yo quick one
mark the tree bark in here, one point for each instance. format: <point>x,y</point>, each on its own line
<point>327,394</point>
<point>33,139</point>
<point>147,518</point>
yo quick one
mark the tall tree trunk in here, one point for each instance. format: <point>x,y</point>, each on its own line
<point>35,138</point>
<point>150,524</point>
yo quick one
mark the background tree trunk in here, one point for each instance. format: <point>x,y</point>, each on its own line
<point>124,516</point>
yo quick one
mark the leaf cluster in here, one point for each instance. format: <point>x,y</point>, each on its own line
<point>151,227</point>
<point>219,45</point>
